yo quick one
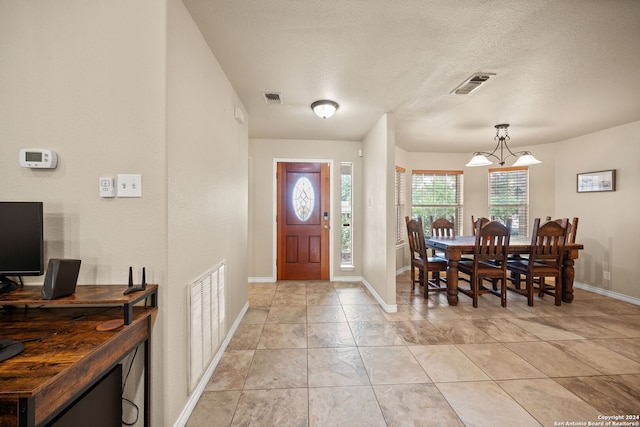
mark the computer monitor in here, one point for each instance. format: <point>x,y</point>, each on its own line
<point>21,242</point>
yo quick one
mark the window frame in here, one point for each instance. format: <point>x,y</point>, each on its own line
<point>346,263</point>
<point>520,225</point>
<point>457,206</point>
<point>400,204</point>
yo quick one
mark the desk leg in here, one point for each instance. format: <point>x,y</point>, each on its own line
<point>568,274</point>
<point>452,282</point>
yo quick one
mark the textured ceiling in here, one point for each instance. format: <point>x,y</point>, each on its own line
<point>563,68</point>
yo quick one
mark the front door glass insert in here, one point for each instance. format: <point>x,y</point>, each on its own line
<point>303,198</point>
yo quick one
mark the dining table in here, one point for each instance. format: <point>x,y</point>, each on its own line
<point>453,249</point>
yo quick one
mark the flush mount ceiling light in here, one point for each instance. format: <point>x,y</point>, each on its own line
<point>481,158</point>
<point>324,108</point>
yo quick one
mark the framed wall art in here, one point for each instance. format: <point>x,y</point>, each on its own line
<point>590,182</point>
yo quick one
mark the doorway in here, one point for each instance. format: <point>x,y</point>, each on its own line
<point>303,222</point>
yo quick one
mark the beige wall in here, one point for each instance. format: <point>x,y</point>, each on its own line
<point>262,153</point>
<point>128,87</point>
<point>608,225</point>
<point>207,176</point>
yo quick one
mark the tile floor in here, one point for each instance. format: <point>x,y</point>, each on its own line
<point>325,354</point>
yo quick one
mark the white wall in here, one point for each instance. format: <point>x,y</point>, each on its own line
<point>379,265</point>
<point>262,153</point>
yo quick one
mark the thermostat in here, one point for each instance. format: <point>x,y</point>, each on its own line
<point>38,158</point>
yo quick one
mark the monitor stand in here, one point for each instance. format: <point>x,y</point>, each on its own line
<point>7,285</point>
<point>10,348</point>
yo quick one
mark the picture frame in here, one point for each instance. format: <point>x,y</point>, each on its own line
<point>591,182</point>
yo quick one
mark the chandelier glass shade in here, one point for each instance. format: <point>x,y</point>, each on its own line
<point>481,158</point>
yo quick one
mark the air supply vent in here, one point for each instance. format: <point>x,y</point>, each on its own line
<point>272,98</point>
<point>472,83</point>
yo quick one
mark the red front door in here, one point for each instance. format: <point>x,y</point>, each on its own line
<point>303,221</point>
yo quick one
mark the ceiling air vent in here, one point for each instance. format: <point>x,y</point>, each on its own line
<point>272,98</point>
<point>472,83</point>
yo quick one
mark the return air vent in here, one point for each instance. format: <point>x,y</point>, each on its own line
<point>472,83</point>
<point>272,98</point>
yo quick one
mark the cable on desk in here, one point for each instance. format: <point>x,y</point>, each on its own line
<point>124,384</point>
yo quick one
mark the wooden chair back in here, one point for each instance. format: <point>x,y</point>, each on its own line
<point>442,227</point>
<point>492,243</point>
<point>547,243</point>
<point>415,235</point>
<point>483,221</point>
<point>572,229</point>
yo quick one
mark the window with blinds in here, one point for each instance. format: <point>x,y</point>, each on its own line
<point>438,194</point>
<point>509,197</point>
<point>400,205</point>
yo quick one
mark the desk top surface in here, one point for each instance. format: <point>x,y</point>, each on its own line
<point>84,294</point>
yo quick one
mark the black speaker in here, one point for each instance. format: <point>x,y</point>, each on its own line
<point>61,278</point>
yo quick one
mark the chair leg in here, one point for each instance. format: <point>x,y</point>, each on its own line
<point>474,291</point>
<point>530,291</point>
<point>503,292</point>
<point>413,278</point>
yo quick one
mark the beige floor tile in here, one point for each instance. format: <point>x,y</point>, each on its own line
<point>374,334</point>
<point>325,314</point>
<point>549,402</point>
<point>502,330</point>
<point>498,362</point>
<point>221,403</point>
<point>544,332</point>
<point>277,369</point>
<point>231,370</point>
<point>255,316</point>
<point>623,325</point>
<point>611,395</point>
<point>283,335</point>
<point>419,332</point>
<point>483,403</point>
<point>420,405</point>
<point>344,406</point>
<point>392,365</point>
<point>329,335</point>
<point>628,347</point>
<point>356,298</point>
<point>329,367</point>
<point>405,312</point>
<point>287,314</point>
<point>276,408</point>
<point>461,331</point>
<point>444,363</point>
<point>286,299</point>
<point>323,298</point>
<point>550,360</point>
<point>246,337</point>
<point>363,313</point>
<point>598,357</point>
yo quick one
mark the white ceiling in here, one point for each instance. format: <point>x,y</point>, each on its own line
<point>563,68</point>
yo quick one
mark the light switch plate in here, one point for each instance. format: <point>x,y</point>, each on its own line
<point>129,185</point>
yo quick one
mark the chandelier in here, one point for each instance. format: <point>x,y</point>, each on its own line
<point>481,158</point>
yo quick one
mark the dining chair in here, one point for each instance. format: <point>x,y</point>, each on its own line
<point>489,261</point>
<point>483,219</point>
<point>572,229</point>
<point>420,260</point>
<point>545,260</point>
<point>442,227</point>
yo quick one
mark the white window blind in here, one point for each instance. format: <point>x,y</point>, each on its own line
<point>437,193</point>
<point>509,197</point>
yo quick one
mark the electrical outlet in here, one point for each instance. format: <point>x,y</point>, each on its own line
<point>606,275</point>
<point>107,189</point>
<point>129,185</point>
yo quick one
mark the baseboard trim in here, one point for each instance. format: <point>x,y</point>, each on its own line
<point>261,279</point>
<point>197,392</point>
<point>607,293</point>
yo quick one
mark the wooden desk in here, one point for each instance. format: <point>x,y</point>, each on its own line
<point>67,355</point>
<point>455,247</point>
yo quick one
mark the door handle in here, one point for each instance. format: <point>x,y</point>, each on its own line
<point>326,227</point>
